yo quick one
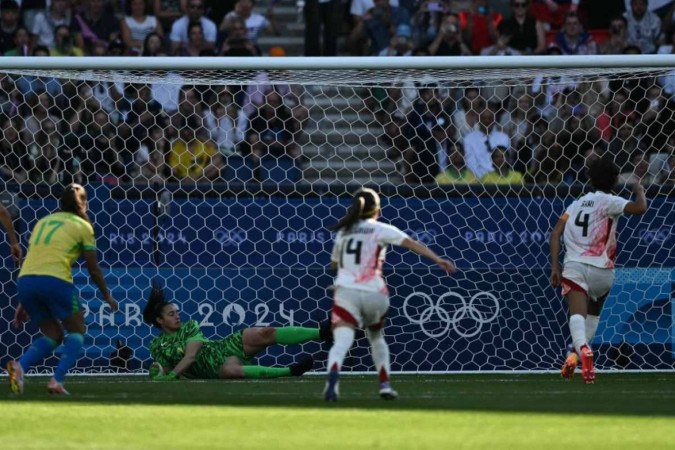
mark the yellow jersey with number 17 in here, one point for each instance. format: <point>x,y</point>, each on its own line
<point>55,244</point>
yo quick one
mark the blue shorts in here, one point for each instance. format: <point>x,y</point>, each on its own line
<point>45,297</point>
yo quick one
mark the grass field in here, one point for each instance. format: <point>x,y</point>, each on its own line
<point>451,411</point>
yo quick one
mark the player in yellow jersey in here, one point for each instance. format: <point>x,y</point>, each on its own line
<point>46,292</point>
<point>6,222</point>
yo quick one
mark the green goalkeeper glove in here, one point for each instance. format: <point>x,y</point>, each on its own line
<point>155,369</point>
<point>171,376</point>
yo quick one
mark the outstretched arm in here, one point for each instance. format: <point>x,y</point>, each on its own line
<point>639,205</point>
<point>6,221</point>
<point>96,275</point>
<point>421,249</point>
<point>555,250</point>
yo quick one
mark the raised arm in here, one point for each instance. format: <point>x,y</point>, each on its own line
<point>15,248</point>
<point>639,205</point>
<point>421,249</point>
<point>555,250</point>
<point>97,276</point>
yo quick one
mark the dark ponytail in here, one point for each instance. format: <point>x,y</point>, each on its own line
<point>365,205</point>
<point>156,302</point>
<point>74,200</point>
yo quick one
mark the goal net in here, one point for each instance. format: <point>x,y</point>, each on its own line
<point>221,181</point>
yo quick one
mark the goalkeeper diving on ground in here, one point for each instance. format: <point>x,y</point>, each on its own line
<point>181,350</point>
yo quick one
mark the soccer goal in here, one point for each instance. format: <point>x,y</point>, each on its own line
<point>219,177</point>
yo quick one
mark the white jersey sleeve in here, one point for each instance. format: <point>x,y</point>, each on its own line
<point>590,229</point>
<point>359,253</point>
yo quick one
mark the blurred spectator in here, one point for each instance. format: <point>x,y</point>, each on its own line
<point>618,37</point>
<point>101,144</point>
<point>193,157</point>
<point>64,45</point>
<point>503,173</point>
<point>45,23</point>
<point>223,121</point>
<point>196,43</point>
<point>217,9</point>
<point>573,40</point>
<point>668,173</point>
<point>527,34</point>
<point>456,171</point>
<point>22,44</point>
<point>255,22</point>
<point>95,22</point>
<point>179,30</point>
<point>30,9</point>
<point>466,117</point>
<point>28,84</point>
<point>138,24</point>
<point>669,45</point>
<point>427,21</point>
<point>637,171</point>
<point>44,164</point>
<point>518,120</point>
<point>479,144</point>
<point>237,42</point>
<point>479,25</point>
<point>420,155</point>
<point>501,46</point>
<point>168,11</point>
<point>151,157</point>
<point>9,24</point>
<point>624,144</point>
<point>400,44</point>
<point>552,12</point>
<point>116,47</point>
<point>324,14</point>
<point>448,41</point>
<point>13,153</point>
<point>375,22</point>
<point>644,27</point>
<point>272,128</point>
<point>617,110</point>
<point>37,110</point>
<point>546,162</point>
<point>153,45</point>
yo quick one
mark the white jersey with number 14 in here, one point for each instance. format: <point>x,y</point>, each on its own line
<point>590,229</point>
<point>359,254</point>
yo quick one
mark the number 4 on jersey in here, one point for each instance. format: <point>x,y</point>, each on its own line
<point>351,247</point>
<point>582,221</point>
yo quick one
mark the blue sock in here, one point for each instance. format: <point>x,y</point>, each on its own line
<point>39,350</point>
<point>72,347</point>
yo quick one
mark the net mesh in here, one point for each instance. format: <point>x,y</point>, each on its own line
<point>222,184</point>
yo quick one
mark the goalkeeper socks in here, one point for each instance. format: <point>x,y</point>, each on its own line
<point>39,350</point>
<point>296,335</point>
<point>578,331</point>
<point>344,337</point>
<point>380,352</point>
<point>591,326</point>
<point>72,347</point>
<point>266,372</point>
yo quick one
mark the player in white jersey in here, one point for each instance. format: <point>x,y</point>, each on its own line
<point>588,227</point>
<point>361,296</point>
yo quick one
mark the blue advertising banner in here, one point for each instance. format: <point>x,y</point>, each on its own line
<point>234,263</point>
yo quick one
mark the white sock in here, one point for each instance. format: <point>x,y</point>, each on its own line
<point>380,352</point>
<point>591,327</point>
<point>343,337</point>
<point>578,331</point>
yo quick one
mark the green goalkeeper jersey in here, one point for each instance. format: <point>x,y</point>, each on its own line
<point>169,349</point>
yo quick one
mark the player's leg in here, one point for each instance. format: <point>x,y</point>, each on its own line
<point>233,368</point>
<point>375,307</point>
<point>256,339</point>
<point>72,349</point>
<point>599,284</point>
<point>345,317</point>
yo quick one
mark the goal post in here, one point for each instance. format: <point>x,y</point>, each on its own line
<point>221,176</point>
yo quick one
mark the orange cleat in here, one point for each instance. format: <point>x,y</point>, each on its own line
<point>569,366</point>
<point>56,388</point>
<point>15,372</point>
<point>587,369</point>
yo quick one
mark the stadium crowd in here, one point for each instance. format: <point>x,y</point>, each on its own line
<point>543,131</point>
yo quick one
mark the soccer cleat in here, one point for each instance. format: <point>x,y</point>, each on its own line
<point>331,391</point>
<point>56,388</point>
<point>569,366</point>
<point>387,393</point>
<point>15,372</point>
<point>326,332</point>
<point>587,369</point>
<point>302,366</point>
<point>155,369</point>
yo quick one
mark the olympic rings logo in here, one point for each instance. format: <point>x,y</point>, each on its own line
<point>438,311</point>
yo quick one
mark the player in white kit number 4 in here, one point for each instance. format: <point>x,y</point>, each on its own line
<point>588,227</point>
<point>361,295</point>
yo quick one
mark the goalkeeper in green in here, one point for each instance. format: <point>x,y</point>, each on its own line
<point>181,350</point>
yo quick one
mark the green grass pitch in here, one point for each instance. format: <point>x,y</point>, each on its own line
<point>621,411</point>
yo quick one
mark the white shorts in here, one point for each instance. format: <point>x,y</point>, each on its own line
<point>593,281</point>
<point>360,308</point>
